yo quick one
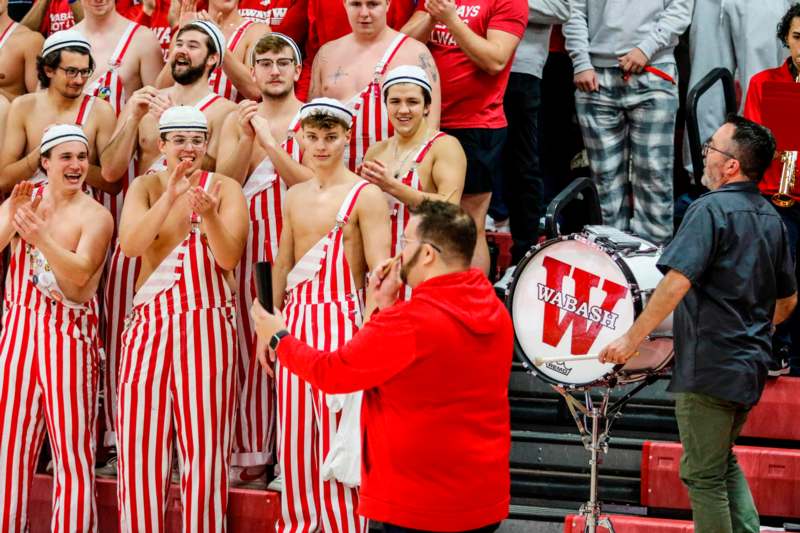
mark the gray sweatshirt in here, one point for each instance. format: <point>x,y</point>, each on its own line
<point>533,49</point>
<point>600,31</point>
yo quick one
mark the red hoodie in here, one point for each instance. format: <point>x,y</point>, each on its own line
<point>435,417</point>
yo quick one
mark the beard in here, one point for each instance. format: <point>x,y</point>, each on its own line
<point>707,181</point>
<point>283,93</point>
<point>407,266</point>
<point>188,76</point>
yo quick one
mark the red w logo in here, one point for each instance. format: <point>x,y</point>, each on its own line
<point>586,320</point>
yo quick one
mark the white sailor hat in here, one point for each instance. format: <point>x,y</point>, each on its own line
<point>407,74</point>
<point>182,118</point>
<point>214,33</point>
<point>327,106</point>
<point>298,56</point>
<point>63,39</point>
<point>60,134</point>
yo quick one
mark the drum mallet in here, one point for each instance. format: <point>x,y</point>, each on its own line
<point>539,361</point>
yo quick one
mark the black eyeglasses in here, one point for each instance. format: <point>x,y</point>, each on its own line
<point>73,72</point>
<point>404,242</point>
<point>707,146</point>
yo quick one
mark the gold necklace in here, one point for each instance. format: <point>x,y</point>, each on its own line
<point>407,154</point>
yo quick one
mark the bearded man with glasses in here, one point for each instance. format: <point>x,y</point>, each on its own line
<point>413,478</point>
<point>729,277</point>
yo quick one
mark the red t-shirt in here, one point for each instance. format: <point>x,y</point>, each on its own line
<point>752,110</point>
<point>558,43</point>
<point>57,17</point>
<point>471,98</point>
<point>435,417</point>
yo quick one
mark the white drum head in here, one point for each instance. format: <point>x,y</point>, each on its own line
<point>570,298</point>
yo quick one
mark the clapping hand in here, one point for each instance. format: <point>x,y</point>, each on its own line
<point>204,203</point>
<point>28,224</point>
<point>178,182</point>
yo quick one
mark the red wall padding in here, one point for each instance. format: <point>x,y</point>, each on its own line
<point>773,475</point>
<point>248,510</point>
<point>775,415</point>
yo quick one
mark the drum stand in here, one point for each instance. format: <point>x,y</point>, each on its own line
<point>594,424</point>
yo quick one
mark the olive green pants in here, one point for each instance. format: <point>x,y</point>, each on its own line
<point>718,490</point>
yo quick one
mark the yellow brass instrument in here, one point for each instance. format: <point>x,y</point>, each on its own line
<point>784,196</point>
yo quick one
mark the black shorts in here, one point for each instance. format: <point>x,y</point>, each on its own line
<point>484,150</point>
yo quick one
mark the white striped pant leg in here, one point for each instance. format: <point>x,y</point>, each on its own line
<point>204,362</point>
<point>653,104</point>
<point>605,135</point>
<point>144,424</point>
<point>297,441</point>
<point>21,416</point>
<point>118,296</point>
<point>339,502</point>
<point>69,372</point>
<point>254,435</point>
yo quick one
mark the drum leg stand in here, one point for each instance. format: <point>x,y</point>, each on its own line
<point>595,439</point>
<point>590,419</point>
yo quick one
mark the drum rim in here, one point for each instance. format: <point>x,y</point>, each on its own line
<point>520,354</point>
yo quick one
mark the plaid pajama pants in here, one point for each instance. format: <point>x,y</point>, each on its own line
<point>628,129</point>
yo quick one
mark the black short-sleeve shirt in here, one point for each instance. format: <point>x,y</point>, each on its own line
<point>734,248</point>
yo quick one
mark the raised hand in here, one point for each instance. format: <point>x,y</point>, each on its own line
<point>263,131</point>
<point>29,225</point>
<point>160,102</point>
<point>384,283</point>
<point>178,182</point>
<point>247,110</point>
<point>21,195</point>
<point>204,203</point>
<point>141,100</point>
<point>443,11</point>
<point>187,12</point>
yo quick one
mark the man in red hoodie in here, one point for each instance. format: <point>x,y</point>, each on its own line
<point>434,371</point>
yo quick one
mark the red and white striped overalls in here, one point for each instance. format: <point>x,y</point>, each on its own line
<point>178,372</point>
<point>255,423</point>
<point>120,280</point>
<point>400,213</point>
<point>323,309</point>
<point>218,81</point>
<point>110,86</point>
<point>48,376</point>
<point>371,119</point>
<point>3,39</point>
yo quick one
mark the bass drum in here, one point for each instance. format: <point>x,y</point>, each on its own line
<point>574,294</point>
